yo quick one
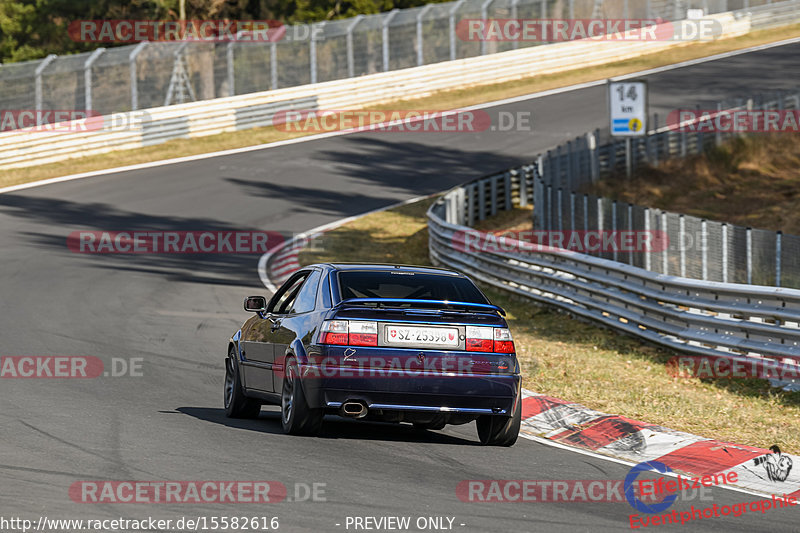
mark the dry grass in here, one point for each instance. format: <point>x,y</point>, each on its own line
<point>443,101</point>
<point>575,361</point>
<point>750,181</point>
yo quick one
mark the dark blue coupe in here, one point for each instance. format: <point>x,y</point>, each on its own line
<point>378,342</point>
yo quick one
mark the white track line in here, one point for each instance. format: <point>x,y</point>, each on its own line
<point>319,136</point>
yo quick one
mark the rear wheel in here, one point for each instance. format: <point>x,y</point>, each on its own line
<point>237,405</point>
<point>500,430</point>
<point>297,418</point>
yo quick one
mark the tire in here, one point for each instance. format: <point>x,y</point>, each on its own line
<point>297,418</point>
<point>500,430</point>
<point>237,405</point>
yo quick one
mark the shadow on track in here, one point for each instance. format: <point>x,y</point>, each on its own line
<point>333,428</point>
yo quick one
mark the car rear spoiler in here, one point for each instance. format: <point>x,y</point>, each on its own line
<point>395,302</point>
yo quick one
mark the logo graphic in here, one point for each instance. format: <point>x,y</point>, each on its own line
<point>638,504</point>
<point>776,464</point>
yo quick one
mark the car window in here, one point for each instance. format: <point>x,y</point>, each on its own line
<point>404,284</point>
<point>306,298</point>
<point>287,296</point>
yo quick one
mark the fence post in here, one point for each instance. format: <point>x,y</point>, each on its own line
<point>543,9</point>
<point>704,247</point>
<point>385,36</point>
<point>351,68</point>
<point>572,9</point>
<point>514,12</point>
<point>273,65</point>
<point>507,190</point>
<point>614,226</point>
<point>665,257</point>
<point>452,22</point>
<point>600,220</point>
<point>594,156</point>
<point>484,17</point>
<point>778,243</point>
<point>493,192</point>
<point>471,205</point>
<point>749,249</point>
<point>718,134</point>
<point>560,210</point>
<point>87,77</point>
<point>630,229</point>
<point>647,231</point>
<point>656,140</point>
<point>628,158</point>
<point>312,50</point>
<point>38,97</point>
<point>585,212</point>
<point>523,188</point>
<point>133,74</point>
<point>682,243</point>
<point>724,253</point>
<point>549,208</point>
<point>481,199</point>
<point>420,38</point>
<point>570,167</point>
<point>231,72</point>
<point>572,211</point>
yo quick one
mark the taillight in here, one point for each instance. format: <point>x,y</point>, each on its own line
<point>488,339</point>
<point>363,333</point>
<point>479,339</point>
<point>334,332</point>
<point>349,333</point>
<point>503,342</point>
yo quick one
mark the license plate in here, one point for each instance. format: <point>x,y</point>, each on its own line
<point>412,335</point>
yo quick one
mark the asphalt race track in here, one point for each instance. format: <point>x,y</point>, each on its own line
<point>176,312</point>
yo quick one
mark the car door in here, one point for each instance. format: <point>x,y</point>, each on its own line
<point>292,322</point>
<point>258,346</point>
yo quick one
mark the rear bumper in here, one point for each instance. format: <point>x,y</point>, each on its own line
<point>424,392</point>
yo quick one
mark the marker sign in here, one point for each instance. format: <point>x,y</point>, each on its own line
<point>628,108</point>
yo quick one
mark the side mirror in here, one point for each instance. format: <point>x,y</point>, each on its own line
<point>255,304</point>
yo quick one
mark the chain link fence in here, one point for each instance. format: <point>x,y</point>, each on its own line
<point>140,76</point>
<point>693,247</point>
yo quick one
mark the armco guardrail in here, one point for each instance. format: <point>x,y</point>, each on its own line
<point>23,148</point>
<point>758,326</point>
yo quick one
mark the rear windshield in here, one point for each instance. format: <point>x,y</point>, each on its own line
<point>391,284</point>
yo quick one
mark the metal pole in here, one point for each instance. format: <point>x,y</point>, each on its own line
<point>585,212</point>
<point>628,158</point>
<point>229,57</point>
<point>133,75</point>
<point>625,10</point>
<point>385,36</point>
<point>647,232</point>
<point>749,249</point>
<point>312,50</point>
<point>38,86</point>
<point>484,17</point>
<point>571,9</point>
<point>351,69</point>
<point>682,243</point>
<point>778,239</point>
<point>572,211</point>
<point>665,257</point>
<point>514,16</point>
<point>420,41</point>
<point>560,210</point>
<point>273,65</point>
<point>630,229</point>
<point>87,77</point>
<point>543,9</point>
<point>724,253</point>
<point>614,226</point>
<point>594,154</point>
<point>718,134</point>
<point>452,21</point>
<point>704,247</point>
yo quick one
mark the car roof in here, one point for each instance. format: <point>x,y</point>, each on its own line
<point>378,267</point>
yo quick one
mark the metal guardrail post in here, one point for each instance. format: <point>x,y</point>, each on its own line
<point>351,69</point>
<point>778,243</point>
<point>493,192</point>
<point>385,36</point>
<point>724,253</point>
<point>543,8</point>
<point>647,252</point>
<point>87,77</point>
<point>484,17</point>
<point>38,97</point>
<point>682,243</point>
<point>600,214</point>
<point>482,200</point>
<point>507,190</point>
<point>273,65</point>
<point>549,208</point>
<point>665,252</point>
<point>614,225</point>
<point>420,37</point>
<point>560,209</point>
<point>572,9</point>
<point>514,16</point>
<point>630,229</point>
<point>452,23</point>
<point>523,188</point>
<point>572,211</point>
<point>312,50</point>
<point>585,212</point>
<point>134,75</point>
<point>229,58</point>
<point>704,247</point>
<point>749,253</point>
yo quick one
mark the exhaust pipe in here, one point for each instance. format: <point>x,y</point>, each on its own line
<point>352,409</point>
